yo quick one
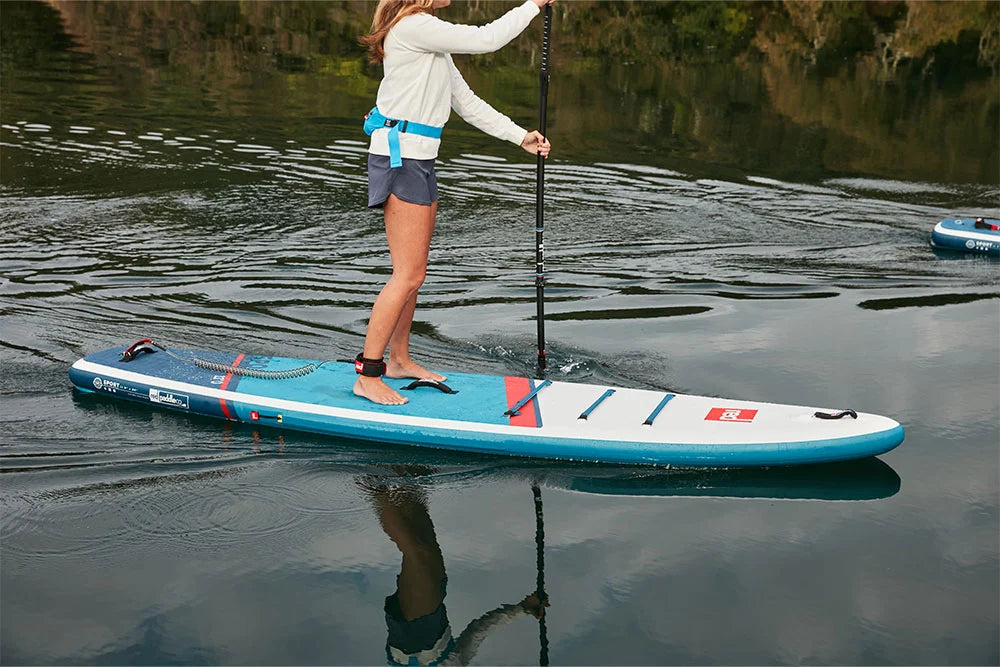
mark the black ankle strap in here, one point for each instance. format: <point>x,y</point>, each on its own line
<point>372,368</point>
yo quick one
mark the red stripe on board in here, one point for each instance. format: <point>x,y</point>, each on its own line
<point>225,383</point>
<point>518,388</point>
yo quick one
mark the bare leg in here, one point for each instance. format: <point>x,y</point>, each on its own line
<point>405,519</point>
<point>400,364</point>
<point>408,228</point>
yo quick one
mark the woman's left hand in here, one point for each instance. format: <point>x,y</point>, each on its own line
<point>536,144</point>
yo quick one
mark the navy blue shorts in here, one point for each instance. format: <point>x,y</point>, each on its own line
<point>414,182</point>
<point>419,634</point>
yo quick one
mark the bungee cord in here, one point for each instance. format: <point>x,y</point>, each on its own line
<point>148,345</point>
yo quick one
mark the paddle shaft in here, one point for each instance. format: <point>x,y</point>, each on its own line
<point>543,80</point>
<point>543,638</point>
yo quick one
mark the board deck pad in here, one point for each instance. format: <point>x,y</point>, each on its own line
<point>562,420</point>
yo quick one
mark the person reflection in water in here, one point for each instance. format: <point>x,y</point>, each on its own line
<point>418,629</point>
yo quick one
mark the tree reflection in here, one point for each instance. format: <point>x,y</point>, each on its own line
<point>801,89</point>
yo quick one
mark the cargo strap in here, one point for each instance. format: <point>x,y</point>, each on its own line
<point>524,401</point>
<point>656,411</point>
<point>593,406</point>
<point>374,120</point>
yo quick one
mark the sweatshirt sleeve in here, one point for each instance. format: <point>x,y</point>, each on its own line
<point>478,113</point>
<point>430,34</point>
<point>467,644</point>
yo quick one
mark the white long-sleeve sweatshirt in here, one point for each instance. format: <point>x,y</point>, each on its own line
<point>422,84</point>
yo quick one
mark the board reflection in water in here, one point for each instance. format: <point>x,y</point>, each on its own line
<point>418,628</point>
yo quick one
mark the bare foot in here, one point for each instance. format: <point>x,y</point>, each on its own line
<point>411,369</point>
<point>377,391</point>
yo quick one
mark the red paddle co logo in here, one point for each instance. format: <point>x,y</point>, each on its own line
<point>731,415</point>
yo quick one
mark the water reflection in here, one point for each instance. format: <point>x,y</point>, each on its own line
<point>865,479</point>
<point>927,301</point>
<point>772,102</point>
<point>418,627</point>
<point>419,632</point>
<point>375,463</point>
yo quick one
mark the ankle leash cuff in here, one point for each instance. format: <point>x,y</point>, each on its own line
<point>372,368</point>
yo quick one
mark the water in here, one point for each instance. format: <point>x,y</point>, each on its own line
<point>138,200</point>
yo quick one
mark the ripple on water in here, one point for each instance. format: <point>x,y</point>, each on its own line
<point>194,516</point>
<point>40,525</point>
<point>239,504</point>
<point>890,186</point>
<point>255,257</point>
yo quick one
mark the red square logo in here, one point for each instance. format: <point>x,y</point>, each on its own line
<point>731,415</point>
<point>254,415</point>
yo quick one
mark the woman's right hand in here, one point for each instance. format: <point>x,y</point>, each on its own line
<point>542,3</point>
<point>536,144</point>
<point>535,605</point>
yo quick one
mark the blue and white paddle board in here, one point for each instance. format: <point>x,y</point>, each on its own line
<point>494,414</point>
<point>963,234</point>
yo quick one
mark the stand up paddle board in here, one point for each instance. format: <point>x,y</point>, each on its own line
<point>968,235</point>
<point>487,413</point>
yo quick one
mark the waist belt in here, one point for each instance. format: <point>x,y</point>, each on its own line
<point>375,121</point>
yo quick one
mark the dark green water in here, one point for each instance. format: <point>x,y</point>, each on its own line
<point>735,226</point>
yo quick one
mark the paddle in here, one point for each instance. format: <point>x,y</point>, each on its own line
<point>543,639</point>
<point>543,77</point>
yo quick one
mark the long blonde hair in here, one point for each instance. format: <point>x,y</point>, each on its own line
<point>387,14</point>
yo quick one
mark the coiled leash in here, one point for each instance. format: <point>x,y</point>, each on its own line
<point>362,366</point>
<point>147,345</point>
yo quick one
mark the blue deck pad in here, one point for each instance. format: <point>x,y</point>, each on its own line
<point>162,365</point>
<point>480,398</point>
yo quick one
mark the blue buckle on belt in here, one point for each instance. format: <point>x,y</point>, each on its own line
<point>374,120</point>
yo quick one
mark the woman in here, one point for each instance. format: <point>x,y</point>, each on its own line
<point>419,88</point>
